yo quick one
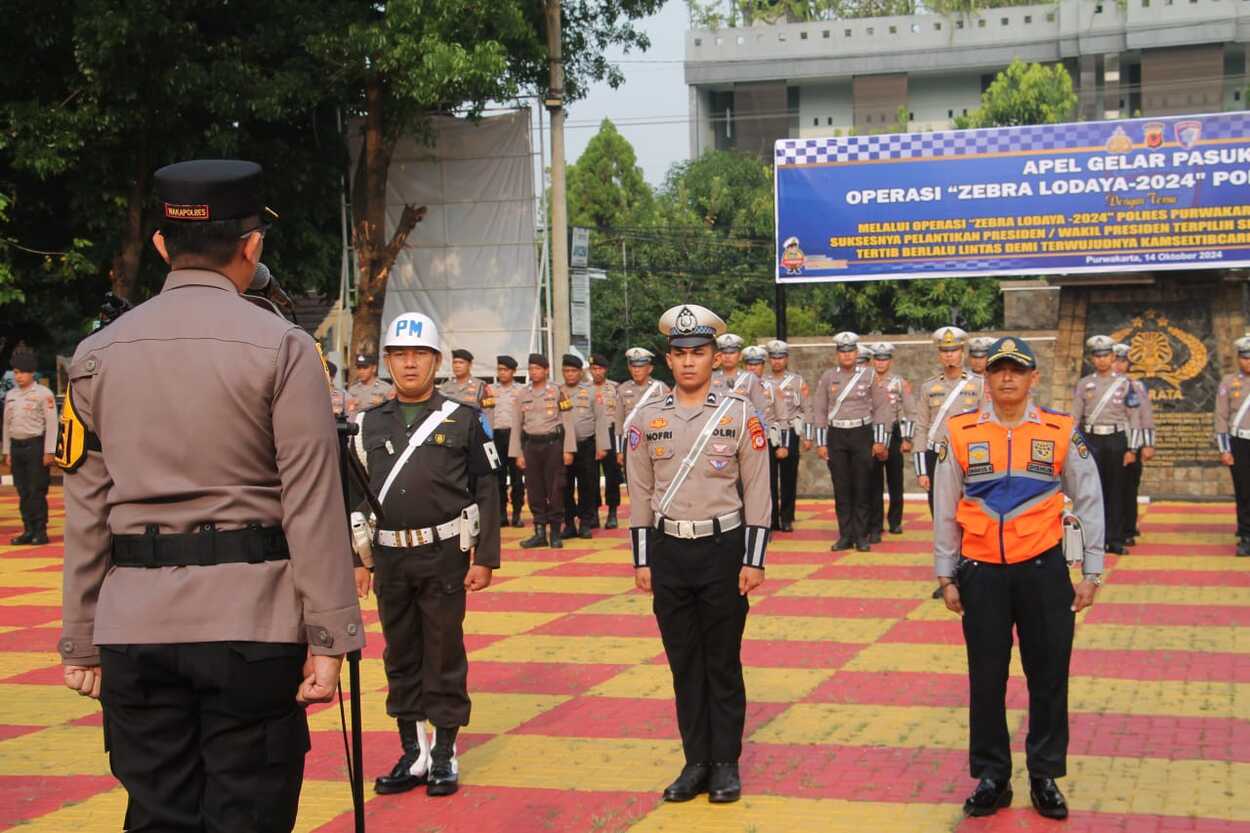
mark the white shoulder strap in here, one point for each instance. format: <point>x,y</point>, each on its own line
<point>850,386</point>
<point>1106,398</point>
<point>1241,412</point>
<point>359,440</point>
<point>946,406</point>
<point>419,436</point>
<point>687,465</point>
<point>642,400</point>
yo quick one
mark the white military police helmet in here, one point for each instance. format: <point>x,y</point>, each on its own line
<point>754,354</point>
<point>1120,350</point>
<point>777,348</point>
<point>949,338</point>
<point>639,356</point>
<point>846,342</point>
<point>1243,345</point>
<point>883,350</point>
<point>1099,345</point>
<point>979,347</point>
<point>729,343</point>
<point>412,329</point>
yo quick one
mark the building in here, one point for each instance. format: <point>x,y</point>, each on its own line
<point>753,85</point>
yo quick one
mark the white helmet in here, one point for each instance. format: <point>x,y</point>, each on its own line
<point>412,329</point>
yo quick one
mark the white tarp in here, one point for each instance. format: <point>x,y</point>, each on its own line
<point>472,263</point>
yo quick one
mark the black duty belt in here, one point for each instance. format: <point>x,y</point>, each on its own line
<point>206,547</point>
<point>543,438</point>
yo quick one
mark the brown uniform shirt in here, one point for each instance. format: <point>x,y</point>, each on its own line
<point>606,397</point>
<point>794,400</point>
<point>735,457</point>
<point>929,401</point>
<point>30,412</point>
<point>745,384</point>
<point>1234,388</point>
<point>902,404</point>
<point>473,391</point>
<point>1121,409</point>
<point>361,397</point>
<point>539,412</point>
<point>209,409</point>
<point>505,402</point>
<point>867,402</point>
<point>628,394</point>
<point>589,420</point>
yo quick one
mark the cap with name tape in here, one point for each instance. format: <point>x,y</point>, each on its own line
<point>206,190</point>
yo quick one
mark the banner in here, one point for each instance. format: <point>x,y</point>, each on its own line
<point>1108,196</point>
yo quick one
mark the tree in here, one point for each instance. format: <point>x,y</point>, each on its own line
<point>1024,94</point>
<point>759,321</point>
<point>398,63</point>
<point>606,187</point>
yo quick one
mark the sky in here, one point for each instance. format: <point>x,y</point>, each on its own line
<point>654,90</point>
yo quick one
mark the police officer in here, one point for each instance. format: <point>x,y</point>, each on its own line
<point>901,423</point>
<point>632,395</point>
<point>699,535</point>
<point>504,391</point>
<point>30,429</point>
<point>463,386</point>
<point>753,357</point>
<point>848,423</point>
<point>999,488</point>
<point>1232,437</point>
<point>1146,421</point>
<point>951,392</point>
<point>730,377</point>
<point>338,397</point>
<point>590,428</point>
<point>368,389</point>
<point>432,464</point>
<point>203,564</point>
<point>1107,409</point>
<point>792,405</point>
<point>978,354</point>
<point>543,444</point>
<point>606,396</point>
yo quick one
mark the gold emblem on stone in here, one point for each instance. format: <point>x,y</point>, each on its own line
<point>1155,346</point>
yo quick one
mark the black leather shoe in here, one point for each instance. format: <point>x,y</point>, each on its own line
<point>1118,549</point>
<point>556,542</point>
<point>787,526</point>
<point>896,530</point>
<point>1130,542</point>
<point>691,782</point>
<point>1047,799</point>
<point>874,537</point>
<point>583,531</point>
<point>569,531</point>
<point>24,538</point>
<point>1243,547</point>
<point>409,771</point>
<point>594,522</point>
<point>444,778</point>
<point>538,539</point>
<point>841,544</point>
<point>516,518</point>
<point>611,522</point>
<point>39,538</point>
<point>988,798</point>
<point>862,545</point>
<point>724,785</point>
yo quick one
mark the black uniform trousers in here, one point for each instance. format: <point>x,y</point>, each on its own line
<point>850,468</point>
<point>694,585</point>
<point>887,472</point>
<point>1132,485</point>
<point>544,478</point>
<point>206,737</point>
<point>1240,471</point>
<point>1108,452</point>
<point>582,484</point>
<point>785,480</point>
<point>508,471</point>
<point>613,477</point>
<point>30,477</point>
<point>930,464</point>
<point>1036,597</point>
<point>421,604</point>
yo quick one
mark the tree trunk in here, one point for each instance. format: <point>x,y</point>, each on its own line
<point>375,255</point>
<point>125,270</point>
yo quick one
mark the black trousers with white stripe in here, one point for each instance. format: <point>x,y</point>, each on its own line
<point>694,585</point>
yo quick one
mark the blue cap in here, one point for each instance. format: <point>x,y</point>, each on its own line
<point>1012,349</point>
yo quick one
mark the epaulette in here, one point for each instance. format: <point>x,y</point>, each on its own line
<point>1053,411</point>
<point>470,405</point>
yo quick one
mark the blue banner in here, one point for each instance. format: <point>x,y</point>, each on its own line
<point>1108,196</point>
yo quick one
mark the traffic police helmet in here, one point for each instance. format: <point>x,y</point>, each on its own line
<point>754,354</point>
<point>1099,345</point>
<point>949,338</point>
<point>846,342</point>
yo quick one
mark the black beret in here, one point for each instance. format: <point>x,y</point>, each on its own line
<point>539,359</point>
<point>25,361</point>
<point>462,354</point>
<point>506,361</point>
<point>204,190</point>
<point>597,358</point>
<point>570,360</point>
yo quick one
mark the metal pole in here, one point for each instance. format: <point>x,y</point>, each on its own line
<point>625,287</point>
<point>560,324</point>
<point>781,311</point>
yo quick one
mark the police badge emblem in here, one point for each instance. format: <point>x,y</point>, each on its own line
<point>686,322</point>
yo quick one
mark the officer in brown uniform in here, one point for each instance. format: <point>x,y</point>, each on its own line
<point>889,472</point>
<point>754,358</point>
<point>543,442</point>
<point>1232,437</point>
<point>463,386</point>
<point>1106,408</point>
<point>606,396</point>
<point>729,377</point>
<point>632,395</point>
<point>698,482</point>
<point>208,589</point>
<point>29,443</point>
<point>432,465</point>
<point>848,419</point>
<point>1146,421</point>
<point>793,404</point>
<point>951,392</point>
<point>504,392</point>
<point>590,429</point>
<point>368,390</point>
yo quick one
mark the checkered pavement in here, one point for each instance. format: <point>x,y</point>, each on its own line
<point>857,718</point>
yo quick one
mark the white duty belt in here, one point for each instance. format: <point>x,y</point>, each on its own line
<point>419,537</point>
<point>699,529</point>
<point>1103,430</point>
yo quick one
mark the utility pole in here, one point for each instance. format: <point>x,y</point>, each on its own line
<point>560,326</point>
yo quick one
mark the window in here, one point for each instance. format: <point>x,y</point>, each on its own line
<point>965,111</point>
<point>915,27</point>
<point>937,26</point>
<point>893,30</point>
<point>959,24</point>
<point>830,121</point>
<point>950,114</point>
<point>741,40</point>
<point>846,33</point>
<point>1050,17</point>
<point>1098,9</point>
<point>1145,4</point>
<point>781,37</point>
<point>911,116</point>
<point>871,31</point>
<point>816,121</point>
<point>802,35</point>
<point>1005,21</point>
<point>1028,18</point>
<point>825,34</point>
<point>1236,95</point>
<point>981,23</point>
<point>698,41</point>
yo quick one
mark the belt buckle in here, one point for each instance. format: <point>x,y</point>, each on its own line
<point>685,529</point>
<point>402,535</point>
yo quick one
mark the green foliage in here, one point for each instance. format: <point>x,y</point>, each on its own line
<point>605,186</point>
<point>759,321</point>
<point>1024,94</point>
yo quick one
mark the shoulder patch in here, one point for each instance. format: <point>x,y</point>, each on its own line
<point>942,451</point>
<point>756,430</point>
<point>1078,442</point>
<point>73,440</point>
<point>565,404</point>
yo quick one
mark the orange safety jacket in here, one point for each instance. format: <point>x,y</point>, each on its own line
<point>1012,506</point>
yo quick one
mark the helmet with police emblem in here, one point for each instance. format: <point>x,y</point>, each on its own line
<point>412,329</point>
<point>690,325</point>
